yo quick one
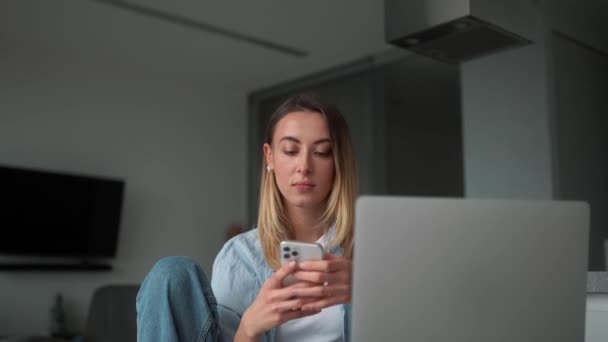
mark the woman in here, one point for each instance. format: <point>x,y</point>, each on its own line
<point>307,193</point>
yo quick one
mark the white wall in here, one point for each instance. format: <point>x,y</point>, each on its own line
<point>508,103</point>
<point>511,101</point>
<point>178,145</point>
<point>507,151</point>
<point>506,144</point>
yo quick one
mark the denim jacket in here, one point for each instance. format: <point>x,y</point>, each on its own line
<point>239,271</point>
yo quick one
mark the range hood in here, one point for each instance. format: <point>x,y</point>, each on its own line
<point>454,31</point>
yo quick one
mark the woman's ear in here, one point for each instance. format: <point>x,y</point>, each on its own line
<point>268,156</point>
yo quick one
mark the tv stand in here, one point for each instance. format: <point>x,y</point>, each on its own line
<point>83,266</point>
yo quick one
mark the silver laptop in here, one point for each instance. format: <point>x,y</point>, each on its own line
<point>460,270</point>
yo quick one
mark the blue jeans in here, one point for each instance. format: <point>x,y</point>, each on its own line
<point>176,303</point>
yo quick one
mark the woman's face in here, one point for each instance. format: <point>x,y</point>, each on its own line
<point>301,159</point>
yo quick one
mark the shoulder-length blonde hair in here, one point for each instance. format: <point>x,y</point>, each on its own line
<point>273,225</point>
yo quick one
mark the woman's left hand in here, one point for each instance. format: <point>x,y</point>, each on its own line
<point>333,275</point>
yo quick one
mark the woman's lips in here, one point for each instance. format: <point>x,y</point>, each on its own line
<point>304,186</point>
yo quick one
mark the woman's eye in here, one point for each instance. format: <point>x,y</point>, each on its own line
<point>290,153</point>
<point>323,153</point>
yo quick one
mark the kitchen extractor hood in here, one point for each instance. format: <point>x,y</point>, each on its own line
<point>454,31</point>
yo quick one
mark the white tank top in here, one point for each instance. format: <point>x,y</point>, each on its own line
<point>326,326</point>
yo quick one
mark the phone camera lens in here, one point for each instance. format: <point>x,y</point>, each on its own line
<point>286,256</point>
<point>286,248</point>
<point>294,253</point>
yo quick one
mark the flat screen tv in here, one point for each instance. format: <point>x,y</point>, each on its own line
<point>55,214</point>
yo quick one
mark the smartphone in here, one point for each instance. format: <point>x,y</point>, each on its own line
<point>298,251</point>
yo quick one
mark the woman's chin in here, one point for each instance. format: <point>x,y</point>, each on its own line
<point>305,203</point>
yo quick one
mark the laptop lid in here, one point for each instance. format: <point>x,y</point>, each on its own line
<point>431,269</point>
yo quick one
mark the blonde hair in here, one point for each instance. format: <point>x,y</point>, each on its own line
<point>273,225</point>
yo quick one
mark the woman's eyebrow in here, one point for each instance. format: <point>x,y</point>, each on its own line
<point>296,140</point>
<point>289,138</point>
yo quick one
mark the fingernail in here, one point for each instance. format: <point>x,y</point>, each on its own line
<point>292,264</point>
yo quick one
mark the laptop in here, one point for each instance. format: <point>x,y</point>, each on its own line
<point>434,269</point>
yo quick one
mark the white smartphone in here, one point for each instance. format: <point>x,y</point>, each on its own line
<point>298,251</point>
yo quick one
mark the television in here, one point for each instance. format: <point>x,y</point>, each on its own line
<point>55,214</point>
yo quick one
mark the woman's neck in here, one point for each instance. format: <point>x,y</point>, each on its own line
<point>306,223</point>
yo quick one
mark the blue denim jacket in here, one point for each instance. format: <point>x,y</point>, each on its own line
<point>239,271</point>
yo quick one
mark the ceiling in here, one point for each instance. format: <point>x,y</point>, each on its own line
<point>92,35</point>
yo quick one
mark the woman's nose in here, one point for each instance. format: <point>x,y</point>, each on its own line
<point>304,164</point>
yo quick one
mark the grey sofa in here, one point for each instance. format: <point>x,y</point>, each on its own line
<point>112,316</point>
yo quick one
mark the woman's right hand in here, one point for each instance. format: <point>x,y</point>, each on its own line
<point>273,306</point>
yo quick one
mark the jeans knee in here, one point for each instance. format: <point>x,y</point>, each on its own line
<point>177,269</point>
<point>173,274</point>
<point>175,297</point>
<point>174,264</point>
